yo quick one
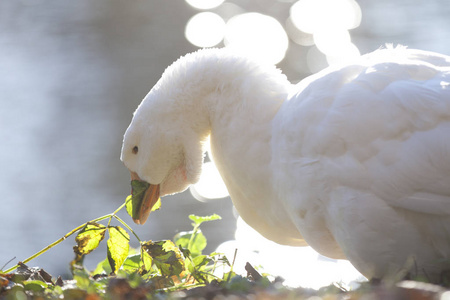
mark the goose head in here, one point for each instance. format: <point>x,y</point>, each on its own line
<point>162,148</point>
<point>165,142</point>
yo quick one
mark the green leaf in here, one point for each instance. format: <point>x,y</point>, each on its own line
<point>118,247</point>
<point>35,285</point>
<point>103,267</point>
<point>82,279</point>
<point>201,261</point>
<point>166,256</point>
<point>199,220</point>
<point>181,239</point>
<point>89,238</point>
<point>146,259</point>
<point>138,189</point>
<point>56,293</point>
<point>157,205</point>
<point>186,253</point>
<point>132,263</point>
<point>196,246</point>
<point>129,205</point>
<point>198,263</point>
<point>134,201</point>
<point>17,291</point>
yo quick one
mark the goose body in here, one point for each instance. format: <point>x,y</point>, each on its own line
<point>353,161</point>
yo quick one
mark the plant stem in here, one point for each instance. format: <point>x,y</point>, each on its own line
<point>114,214</point>
<point>194,233</point>
<point>232,265</point>
<point>117,210</point>
<point>128,227</point>
<point>62,239</point>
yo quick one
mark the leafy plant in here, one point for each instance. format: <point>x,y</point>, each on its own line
<point>157,266</point>
<point>161,265</point>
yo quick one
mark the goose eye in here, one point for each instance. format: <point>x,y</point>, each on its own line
<point>135,150</point>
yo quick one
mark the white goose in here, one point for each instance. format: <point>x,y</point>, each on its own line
<point>353,161</point>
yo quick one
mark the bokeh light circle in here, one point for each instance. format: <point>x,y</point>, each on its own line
<point>210,186</point>
<point>297,36</point>
<point>332,41</point>
<point>350,53</point>
<point>205,29</point>
<point>312,15</point>
<point>258,35</point>
<point>204,4</point>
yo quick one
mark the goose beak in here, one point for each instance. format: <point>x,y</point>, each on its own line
<point>150,198</point>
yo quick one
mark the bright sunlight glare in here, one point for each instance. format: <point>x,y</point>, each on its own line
<point>210,186</point>
<point>345,56</point>
<point>298,266</point>
<point>332,41</point>
<point>258,35</point>
<point>315,60</point>
<point>312,15</point>
<point>297,36</point>
<point>328,23</point>
<point>336,45</point>
<point>205,29</point>
<point>204,4</point>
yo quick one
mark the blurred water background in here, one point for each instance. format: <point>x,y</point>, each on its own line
<point>72,73</point>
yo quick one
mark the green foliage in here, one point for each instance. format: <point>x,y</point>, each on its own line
<point>134,201</point>
<point>199,220</point>
<point>194,243</point>
<point>103,267</point>
<point>137,197</point>
<point>89,238</point>
<point>118,247</point>
<point>146,262</point>
<point>158,265</point>
<point>129,205</point>
<point>132,263</point>
<point>87,241</point>
<point>35,285</point>
<point>166,257</point>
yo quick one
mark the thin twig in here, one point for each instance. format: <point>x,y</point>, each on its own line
<point>57,242</point>
<point>128,227</point>
<point>194,233</point>
<point>7,263</point>
<point>232,264</point>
